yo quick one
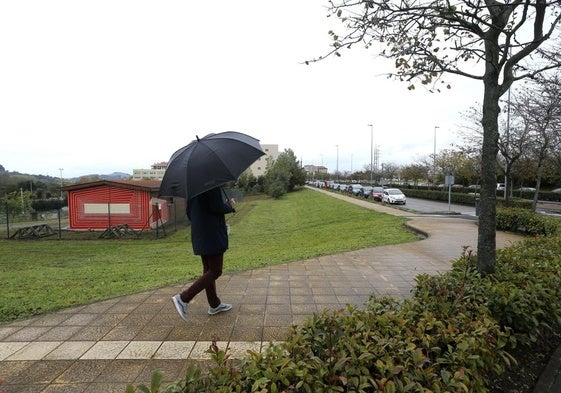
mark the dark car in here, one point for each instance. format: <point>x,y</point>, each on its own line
<point>377,193</point>
<point>355,189</point>
<point>365,192</point>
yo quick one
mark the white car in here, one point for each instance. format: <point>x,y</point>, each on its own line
<point>393,196</point>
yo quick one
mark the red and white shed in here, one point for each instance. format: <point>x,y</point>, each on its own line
<point>105,203</point>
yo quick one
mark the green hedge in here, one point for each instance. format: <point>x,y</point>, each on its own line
<point>462,198</point>
<point>434,195</point>
<point>454,335</point>
<point>523,220</point>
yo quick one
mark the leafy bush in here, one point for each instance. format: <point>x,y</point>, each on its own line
<point>522,220</point>
<point>525,291</point>
<point>452,336</point>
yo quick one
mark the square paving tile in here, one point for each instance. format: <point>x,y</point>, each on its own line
<point>60,333</point>
<point>107,387</point>
<point>9,348</point>
<point>8,370</point>
<point>89,333</point>
<point>51,319</point>
<point>105,350</point>
<point>82,371</point>
<point>43,372</point>
<point>70,350</point>
<point>239,350</point>
<point>66,388</point>
<point>34,350</point>
<point>247,333</point>
<point>28,333</point>
<point>81,319</point>
<point>125,371</point>
<point>174,350</point>
<point>122,333</point>
<point>139,350</point>
<point>154,333</point>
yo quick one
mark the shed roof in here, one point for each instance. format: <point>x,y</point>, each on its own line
<point>149,185</point>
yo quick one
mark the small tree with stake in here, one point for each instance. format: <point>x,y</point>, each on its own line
<point>503,41</point>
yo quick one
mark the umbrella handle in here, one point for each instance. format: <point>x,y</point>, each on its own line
<point>229,199</point>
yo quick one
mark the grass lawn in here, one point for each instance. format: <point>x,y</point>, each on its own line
<point>47,275</point>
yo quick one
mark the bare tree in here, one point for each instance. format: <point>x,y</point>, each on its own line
<point>539,108</point>
<point>514,140</point>
<point>496,42</point>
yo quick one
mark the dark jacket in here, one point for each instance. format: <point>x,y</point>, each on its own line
<point>208,225</point>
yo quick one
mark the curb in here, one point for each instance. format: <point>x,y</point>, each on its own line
<point>550,378</point>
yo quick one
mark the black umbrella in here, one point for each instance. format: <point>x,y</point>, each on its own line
<point>209,162</point>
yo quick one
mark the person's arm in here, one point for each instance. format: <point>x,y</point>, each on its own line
<point>216,204</point>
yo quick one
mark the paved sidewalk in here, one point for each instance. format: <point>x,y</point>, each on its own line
<point>103,346</point>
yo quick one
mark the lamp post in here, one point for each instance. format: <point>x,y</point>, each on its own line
<point>61,184</point>
<point>371,150</point>
<point>434,158</point>
<point>337,167</point>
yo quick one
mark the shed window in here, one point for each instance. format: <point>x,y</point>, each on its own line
<point>105,208</point>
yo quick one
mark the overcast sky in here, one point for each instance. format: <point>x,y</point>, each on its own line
<point>104,86</point>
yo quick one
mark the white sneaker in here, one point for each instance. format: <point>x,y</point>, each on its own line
<point>180,306</point>
<point>222,307</point>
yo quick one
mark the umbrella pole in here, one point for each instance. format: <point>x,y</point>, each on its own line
<point>226,195</point>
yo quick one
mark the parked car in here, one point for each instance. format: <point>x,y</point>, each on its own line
<point>366,191</point>
<point>343,187</point>
<point>532,189</point>
<point>355,189</point>
<point>377,193</point>
<point>394,196</point>
<point>557,190</point>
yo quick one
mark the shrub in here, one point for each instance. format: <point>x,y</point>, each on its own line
<point>525,291</point>
<point>522,220</point>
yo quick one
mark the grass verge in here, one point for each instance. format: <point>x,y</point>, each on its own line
<point>48,275</point>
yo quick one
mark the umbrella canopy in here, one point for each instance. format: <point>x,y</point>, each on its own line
<point>209,162</point>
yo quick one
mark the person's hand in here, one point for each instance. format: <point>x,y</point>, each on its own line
<point>232,202</point>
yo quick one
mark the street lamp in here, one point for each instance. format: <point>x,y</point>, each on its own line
<point>61,184</point>
<point>434,158</point>
<point>337,167</point>
<point>371,150</point>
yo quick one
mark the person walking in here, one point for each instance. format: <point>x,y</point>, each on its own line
<point>209,237</point>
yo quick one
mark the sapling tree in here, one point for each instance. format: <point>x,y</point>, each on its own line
<point>494,42</point>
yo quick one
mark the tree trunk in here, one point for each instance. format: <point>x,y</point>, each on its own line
<point>486,238</point>
<point>538,183</point>
<point>508,182</point>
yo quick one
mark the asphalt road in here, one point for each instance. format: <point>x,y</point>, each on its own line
<point>436,207</point>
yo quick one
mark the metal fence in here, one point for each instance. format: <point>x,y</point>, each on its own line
<point>54,224</point>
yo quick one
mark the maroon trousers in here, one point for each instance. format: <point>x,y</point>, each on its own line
<point>212,269</point>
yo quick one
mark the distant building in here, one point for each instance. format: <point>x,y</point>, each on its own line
<point>155,173</point>
<point>312,170</point>
<point>259,167</point>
